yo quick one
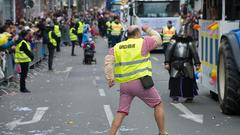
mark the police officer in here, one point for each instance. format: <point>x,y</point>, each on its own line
<point>79,28</point>
<point>23,56</point>
<point>116,31</point>
<point>57,32</point>
<point>133,71</point>
<point>167,33</point>
<point>180,58</point>
<point>52,44</point>
<point>73,37</point>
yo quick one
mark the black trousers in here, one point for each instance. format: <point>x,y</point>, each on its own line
<point>165,46</point>
<point>73,46</point>
<point>58,44</point>
<point>23,75</point>
<point>80,36</point>
<point>50,57</point>
<point>115,40</point>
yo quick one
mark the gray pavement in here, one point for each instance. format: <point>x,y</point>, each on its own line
<point>75,100</point>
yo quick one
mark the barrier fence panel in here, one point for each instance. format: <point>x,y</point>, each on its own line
<point>10,66</point>
<point>37,50</point>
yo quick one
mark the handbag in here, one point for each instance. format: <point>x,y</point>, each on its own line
<point>18,68</point>
<point>147,82</point>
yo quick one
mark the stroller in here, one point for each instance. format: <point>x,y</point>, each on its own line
<point>88,46</point>
<point>89,50</point>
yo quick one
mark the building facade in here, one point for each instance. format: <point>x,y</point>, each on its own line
<point>7,10</point>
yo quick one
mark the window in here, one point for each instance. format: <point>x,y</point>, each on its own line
<point>232,10</point>
<point>157,9</point>
<point>212,9</point>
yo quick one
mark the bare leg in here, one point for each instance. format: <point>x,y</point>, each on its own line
<point>117,123</point>
<point>159,117</point>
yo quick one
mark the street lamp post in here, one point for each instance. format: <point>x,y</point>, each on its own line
<point>26,2</point>
<point>69,9</point>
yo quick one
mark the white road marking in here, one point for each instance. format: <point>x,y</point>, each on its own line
<point>109,114</point>
<point>102,92</point>
<point>36,118</point>
<point>188,114</point>
<point>155,58</point>
<point>94,83</point>
<point>68,69</point>
<point>97,78</point>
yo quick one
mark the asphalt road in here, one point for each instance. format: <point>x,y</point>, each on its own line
<point>75,100</point>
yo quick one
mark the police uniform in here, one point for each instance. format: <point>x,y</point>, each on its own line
<point>52,44</point>
<point>58,34</point>
<point>23,56</point>
<point>73,38</point>
<point>167,35</point>
<point>116,31</point>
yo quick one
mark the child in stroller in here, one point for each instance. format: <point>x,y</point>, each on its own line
<point>88,46</point>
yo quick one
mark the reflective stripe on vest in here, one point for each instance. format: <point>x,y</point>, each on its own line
<point>168,33</point>
<point>73,36</point>
<point>20,56</point>
<point>116,29</point>
<point>80,27</point>
<point>57,30</point>
<point>51,39</point>
<point>129,62</point>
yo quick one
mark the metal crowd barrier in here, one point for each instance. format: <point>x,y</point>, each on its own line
<point>10,70</point>
<point>10,66</point>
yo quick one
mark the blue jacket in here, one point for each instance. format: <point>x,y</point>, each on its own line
<point>7,45</point>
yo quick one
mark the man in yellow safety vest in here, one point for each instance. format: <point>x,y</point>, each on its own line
<point>73,37</point>
<point>168,32</point>
<point>133,70</point>
<point>109,24</point>
<point>23,56</point>
<point>52,44</point>
<point>56,30</point>
<point>79,28</point>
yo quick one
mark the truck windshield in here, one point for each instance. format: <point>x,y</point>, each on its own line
<point>213,9</point>
<point>157,8</point>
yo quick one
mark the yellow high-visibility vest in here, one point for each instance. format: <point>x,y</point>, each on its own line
<point>116,29</point>
<point>168,33</point>
<point>80,27</point>
<point>108,24</point>
<point>51,39</point>
<point>20,56</point>
<point>57,30</point>
<point>73,36</point>
<point>129,62</point>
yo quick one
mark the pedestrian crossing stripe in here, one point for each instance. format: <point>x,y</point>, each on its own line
<point>209,45</point>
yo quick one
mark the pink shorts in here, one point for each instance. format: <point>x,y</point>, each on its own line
<point>134,88</point>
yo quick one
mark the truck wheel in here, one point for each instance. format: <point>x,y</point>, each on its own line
<point>228,81</point>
